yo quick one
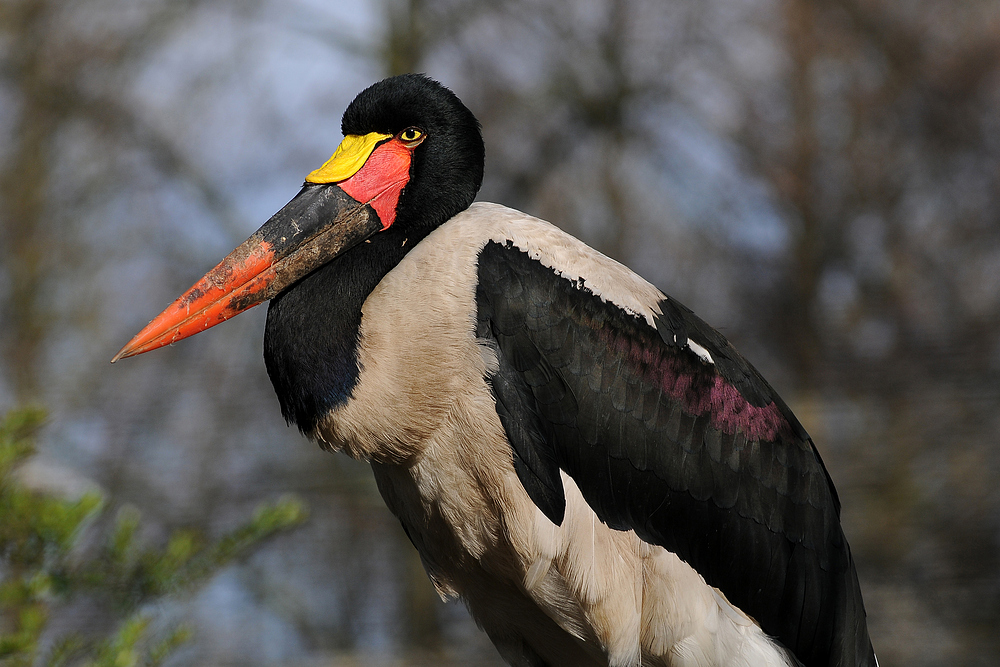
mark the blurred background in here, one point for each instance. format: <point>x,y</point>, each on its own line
<point>820,179</point>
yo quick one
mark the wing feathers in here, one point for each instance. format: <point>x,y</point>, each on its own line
<point>699,457</point>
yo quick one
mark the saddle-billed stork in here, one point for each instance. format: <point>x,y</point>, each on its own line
<point>595,471</point>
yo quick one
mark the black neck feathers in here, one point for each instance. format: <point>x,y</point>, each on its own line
<point>313,329</point>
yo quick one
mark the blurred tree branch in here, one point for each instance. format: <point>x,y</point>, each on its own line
<point>45,566</point>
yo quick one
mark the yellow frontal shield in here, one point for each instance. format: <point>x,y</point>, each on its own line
<point>350,156</point>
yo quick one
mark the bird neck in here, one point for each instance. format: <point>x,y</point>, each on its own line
<point>313,328</point>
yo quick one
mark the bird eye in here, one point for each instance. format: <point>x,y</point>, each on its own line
<point>411,135</point>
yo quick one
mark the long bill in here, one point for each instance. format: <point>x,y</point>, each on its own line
<point>321,222</point>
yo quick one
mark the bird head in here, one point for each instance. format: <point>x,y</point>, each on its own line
<point>414,114</point>
<point>412,157</point>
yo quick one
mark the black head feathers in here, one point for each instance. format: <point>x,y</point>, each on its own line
<point>447,168</point>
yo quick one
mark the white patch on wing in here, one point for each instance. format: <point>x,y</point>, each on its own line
<point>702,353</point>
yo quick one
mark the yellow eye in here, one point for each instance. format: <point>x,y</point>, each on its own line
<point>411,135</point>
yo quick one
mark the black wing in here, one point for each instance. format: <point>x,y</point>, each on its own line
<point>702,459</point>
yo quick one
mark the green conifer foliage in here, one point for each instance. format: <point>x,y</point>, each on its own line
<point>52,553</point>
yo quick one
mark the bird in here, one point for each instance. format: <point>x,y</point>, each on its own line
<point>595,471</point>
